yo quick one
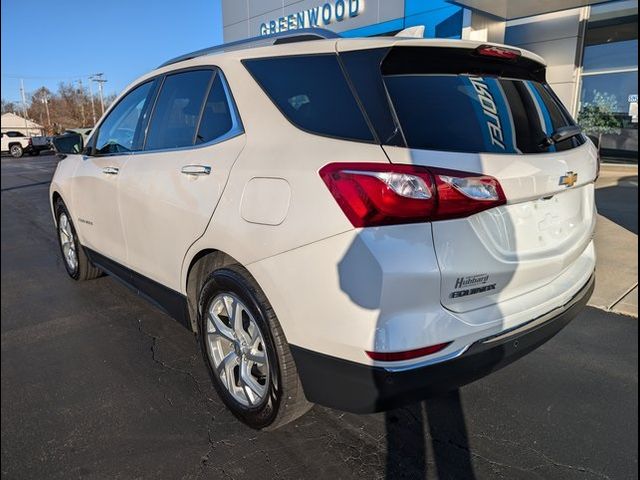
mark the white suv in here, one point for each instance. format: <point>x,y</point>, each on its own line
<point>358,223</point>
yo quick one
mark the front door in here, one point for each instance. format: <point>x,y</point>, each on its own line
<point>96,208</point>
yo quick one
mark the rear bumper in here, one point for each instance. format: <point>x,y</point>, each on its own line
<point>354,387</point>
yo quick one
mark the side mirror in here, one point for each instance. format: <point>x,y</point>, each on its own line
<point>68,143</point>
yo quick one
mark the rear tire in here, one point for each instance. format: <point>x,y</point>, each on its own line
<point>75,260</point>
<point>266,394</point>
<point>16,150</point>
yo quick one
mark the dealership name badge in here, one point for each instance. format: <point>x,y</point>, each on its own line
<point>320,16</point>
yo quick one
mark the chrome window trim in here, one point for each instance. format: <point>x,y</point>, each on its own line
<point>237,128</point>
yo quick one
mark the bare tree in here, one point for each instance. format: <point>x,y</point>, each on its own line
<point>68,107</point>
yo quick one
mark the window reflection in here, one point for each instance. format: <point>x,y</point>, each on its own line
<point>608,97</point>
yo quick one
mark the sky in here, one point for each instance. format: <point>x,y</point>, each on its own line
<point>46,42</point>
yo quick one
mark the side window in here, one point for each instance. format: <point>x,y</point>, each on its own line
<point>312,92</point>
<point>177,111</point>
<point>118,132</point>
<point>216,116</point>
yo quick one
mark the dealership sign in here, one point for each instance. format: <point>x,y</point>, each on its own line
<point>321,16</point>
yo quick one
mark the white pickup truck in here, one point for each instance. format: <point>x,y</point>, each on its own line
<point>17,144</point>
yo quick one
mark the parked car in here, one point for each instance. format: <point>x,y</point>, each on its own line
<point>40,144</point>
<point>359,223</point>
<point>15,143</point>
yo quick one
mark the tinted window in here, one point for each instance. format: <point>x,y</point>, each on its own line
<point>216,116</point>
<point>177,110</point>
<point>312,93</point>
<point>477,114</point>
<point>119,132</point>
<point>14,134</point>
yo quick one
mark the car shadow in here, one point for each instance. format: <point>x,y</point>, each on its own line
<point>439,419</point>
<point>619,203</point>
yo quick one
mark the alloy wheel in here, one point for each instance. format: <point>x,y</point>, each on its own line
<point>67,242</point>
<point>236,350</point>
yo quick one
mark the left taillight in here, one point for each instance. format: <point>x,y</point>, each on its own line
<point>374,194</point>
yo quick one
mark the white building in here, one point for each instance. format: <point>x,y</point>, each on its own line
<point>13,122</point>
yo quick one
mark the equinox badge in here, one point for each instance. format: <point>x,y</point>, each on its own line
<point>569,180</point>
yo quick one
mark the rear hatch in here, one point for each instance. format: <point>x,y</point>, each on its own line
<point>487,111</point>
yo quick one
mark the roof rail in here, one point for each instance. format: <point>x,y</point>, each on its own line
<point>291,36</point>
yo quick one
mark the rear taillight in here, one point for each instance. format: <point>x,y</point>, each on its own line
<point>374,194</point>
<point>498,52</point>
<point>407,354</point>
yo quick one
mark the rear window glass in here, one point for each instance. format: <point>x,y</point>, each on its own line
<point>312,92</point>
<point>475,113</point>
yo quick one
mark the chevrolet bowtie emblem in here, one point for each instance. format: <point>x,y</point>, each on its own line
<point>569,180</point>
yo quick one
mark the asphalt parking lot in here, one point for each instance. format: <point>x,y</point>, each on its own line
<point>97,383</point>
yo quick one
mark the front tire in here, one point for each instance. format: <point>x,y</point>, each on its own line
<point>246,352</point>
<point>75,260</point>
<point>16,150</point>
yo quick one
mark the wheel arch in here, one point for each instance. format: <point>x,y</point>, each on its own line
<point>200,266</point>
<point>55,196</point>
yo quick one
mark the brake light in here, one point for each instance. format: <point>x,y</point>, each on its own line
<point>374,194</point>
<point>498,52</point>
<point>408,354</point>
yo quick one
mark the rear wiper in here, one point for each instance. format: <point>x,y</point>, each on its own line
<point>561,134</point>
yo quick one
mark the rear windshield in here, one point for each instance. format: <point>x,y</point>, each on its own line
<point>431,98</point>
<point>475,113</point>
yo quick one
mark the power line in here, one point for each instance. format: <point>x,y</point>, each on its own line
<point>42,77</point>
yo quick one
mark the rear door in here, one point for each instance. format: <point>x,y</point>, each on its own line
<point>494,116</point>
<point>169,190</point>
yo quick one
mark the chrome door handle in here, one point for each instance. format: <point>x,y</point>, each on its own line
<point>196,170</point>
<point>110,170</point>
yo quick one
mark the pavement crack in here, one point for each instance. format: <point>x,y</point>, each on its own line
<point>204,459</point>
<point>545,457</point>
<point>154,357</point>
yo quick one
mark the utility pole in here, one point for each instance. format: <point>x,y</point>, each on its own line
<point>81,96</point>
<point>98,78</point>
<point>24,107</point>
<point>45,100</point>
<point>93,106</point>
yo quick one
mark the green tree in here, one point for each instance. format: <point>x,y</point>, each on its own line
<point>598,118</point>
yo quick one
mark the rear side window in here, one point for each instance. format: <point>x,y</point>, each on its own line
<point>216,115</point>
<point>476,113</point>
<point>312,92</point>
<point>177,110</point>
